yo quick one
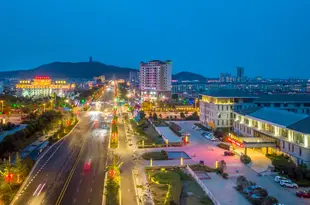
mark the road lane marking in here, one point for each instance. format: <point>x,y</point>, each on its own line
<point>74,200</point>
<point>62,193</point>
<point>91,189</point>
<point>88,200</point>
<point>78,189</point>
<point>41,189</point>
<point>35,192</point>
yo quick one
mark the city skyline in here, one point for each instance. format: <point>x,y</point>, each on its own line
<point>214,39</point>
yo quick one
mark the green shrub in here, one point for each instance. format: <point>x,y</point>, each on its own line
<point>224,175</point>
<point>245,159</point>
<point>224,146</point>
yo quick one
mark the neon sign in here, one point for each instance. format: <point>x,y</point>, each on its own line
<point>235,142</point>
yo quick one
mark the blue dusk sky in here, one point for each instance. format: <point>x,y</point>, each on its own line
<point>267,37</point>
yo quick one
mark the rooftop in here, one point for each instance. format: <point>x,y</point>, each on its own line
<point>284,98</point>
<point>229,93</point>
<point>283,118</point>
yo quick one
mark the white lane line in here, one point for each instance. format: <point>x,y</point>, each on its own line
<point>41,189</point>
<point>81,181</point>
<point>78,189</point>
<point>74,200</point>
<point>91,189</point>
<point>34,193</point>
<point>88,200</point>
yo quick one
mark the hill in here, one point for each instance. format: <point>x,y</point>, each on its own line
<point>188,76</point>
<point>74,70</point>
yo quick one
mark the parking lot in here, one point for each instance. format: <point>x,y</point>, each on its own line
<point>208,151</point>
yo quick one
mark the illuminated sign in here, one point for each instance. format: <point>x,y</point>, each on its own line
<point>235,142</point>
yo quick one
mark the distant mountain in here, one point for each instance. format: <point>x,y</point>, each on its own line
<point>68,69</point>
<point>188,76</point>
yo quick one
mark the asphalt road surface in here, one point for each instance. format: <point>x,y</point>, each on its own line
<point>87,182</point>
<point>48,179</point>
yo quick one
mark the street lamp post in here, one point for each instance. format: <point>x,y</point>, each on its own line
<point>44,106</point>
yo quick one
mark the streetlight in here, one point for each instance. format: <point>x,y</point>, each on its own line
<point>1,101</point>
<point>44,106</point>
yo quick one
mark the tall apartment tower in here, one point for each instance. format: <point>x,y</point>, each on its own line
<point>155,80</point>
<point>240,73</point>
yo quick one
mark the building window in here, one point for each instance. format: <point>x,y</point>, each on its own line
<point>283,145</point>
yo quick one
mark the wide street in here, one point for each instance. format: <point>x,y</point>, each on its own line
<point>50,183</point>
<point>86,184</point>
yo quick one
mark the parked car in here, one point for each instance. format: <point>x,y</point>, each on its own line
<point>288,183</point>
<point>279,178</point>
<point>303,194</point>
<point>250,188</point>
<point>229,153</point>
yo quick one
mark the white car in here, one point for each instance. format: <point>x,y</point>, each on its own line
<point>279,178</point>
<point>288,183</point>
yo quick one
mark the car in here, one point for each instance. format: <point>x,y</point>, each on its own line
<point>279,178</point>
<point>288,183</point>
<point>229,153</point>
<point>87,165</point>
<point>250,188</point>
<point>303,194</point>
<point>213,139</point>
<point>194,127</point>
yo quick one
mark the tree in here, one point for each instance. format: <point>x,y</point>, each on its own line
<point>222,166</point>
<point>269,200</point>
<point>175,97</point>
<point>182,116</point>
<point>155,116</point>
<point>142,115</point>
<point>19,169</point>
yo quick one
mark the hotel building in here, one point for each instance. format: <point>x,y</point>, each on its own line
<point>42,86</point>
<point>274,131</point>
<point>216,107</point>
<point>155,80</point>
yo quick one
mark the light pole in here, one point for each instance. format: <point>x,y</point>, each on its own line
<point>44,106</point>
<point>2,105</point>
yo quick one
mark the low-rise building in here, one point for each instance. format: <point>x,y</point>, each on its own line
<point>298,103</point>
<point>288,131</point>
<point>42,86</point>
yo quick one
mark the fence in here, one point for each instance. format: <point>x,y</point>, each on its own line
<point>204,188</point>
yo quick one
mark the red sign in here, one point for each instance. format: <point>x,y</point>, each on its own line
<point>235,142</point>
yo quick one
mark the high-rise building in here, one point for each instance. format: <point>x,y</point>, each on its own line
<point>226,78</point>
<point>308,86</point>
<point>134,77</point>
<point>240,74</point>
<point>155,80</point>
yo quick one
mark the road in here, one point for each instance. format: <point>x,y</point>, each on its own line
<point>48,178</point>
<point>86,185</point>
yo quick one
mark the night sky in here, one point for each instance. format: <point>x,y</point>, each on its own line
<point>268,37</point>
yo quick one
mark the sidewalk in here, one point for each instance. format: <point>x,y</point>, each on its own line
<point>128,189</point>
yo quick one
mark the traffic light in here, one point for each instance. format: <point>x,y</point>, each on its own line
<point>83,101</point>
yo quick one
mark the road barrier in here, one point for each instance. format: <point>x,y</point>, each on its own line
<point>203,186</point>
